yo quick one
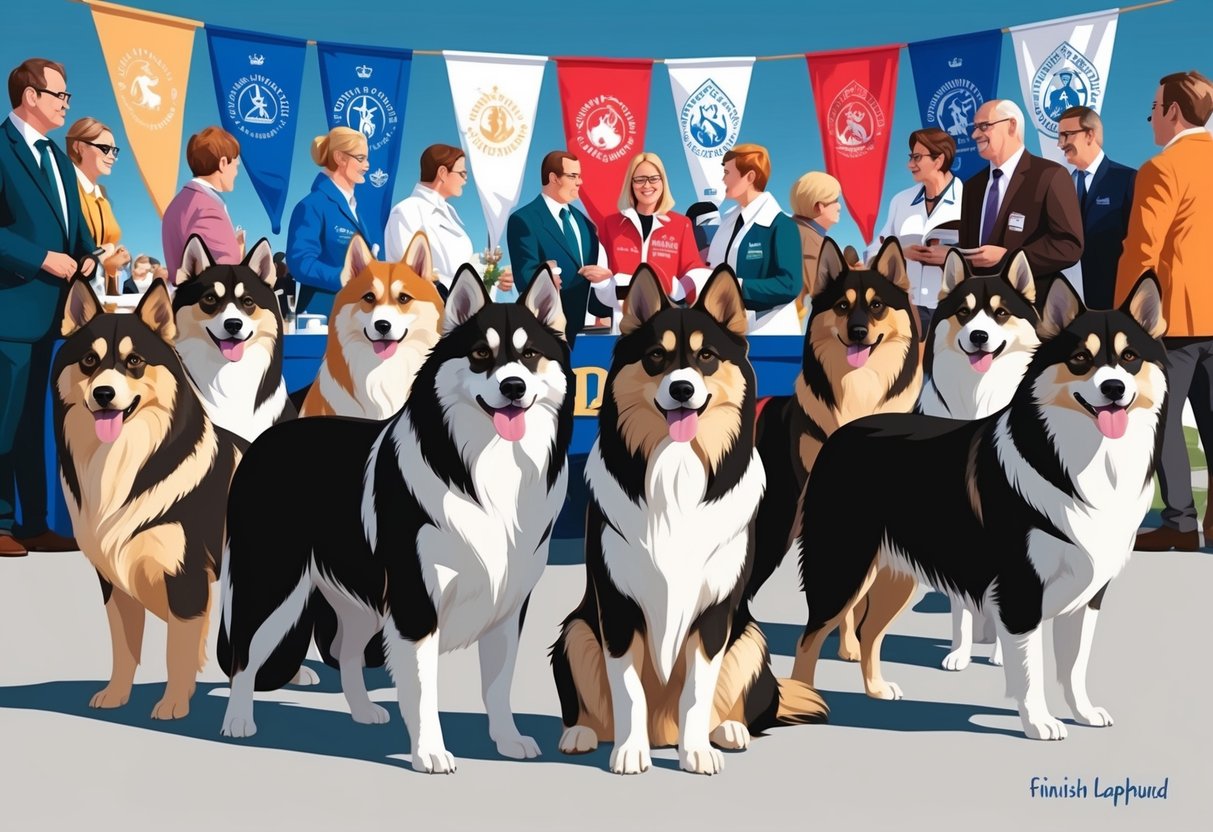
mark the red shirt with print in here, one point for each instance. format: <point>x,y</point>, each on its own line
<point>670,248</point>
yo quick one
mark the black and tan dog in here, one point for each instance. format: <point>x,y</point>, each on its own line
<point>146,474</point>
<point>648,658</point>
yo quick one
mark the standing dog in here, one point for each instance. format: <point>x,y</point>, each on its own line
<point>1050,492</point>
<point>675,483</point>
<point>432,526</point>
<point>385,320</point>
<point>229,335</point>
<point>981,341</point>
<point>146,474</point>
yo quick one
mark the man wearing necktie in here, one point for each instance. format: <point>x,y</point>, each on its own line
<point>43,243</point>
<point>1105,195</point>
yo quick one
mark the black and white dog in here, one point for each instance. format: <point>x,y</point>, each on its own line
<point>229,336</point>
<point>432,526</point>
<point>1049,491</point>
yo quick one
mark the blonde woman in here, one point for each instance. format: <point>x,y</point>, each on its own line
<point>90,146</point>
<point>325,220</point>
<point>816,201</point>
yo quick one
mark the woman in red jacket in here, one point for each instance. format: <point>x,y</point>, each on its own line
<point>646,231</point>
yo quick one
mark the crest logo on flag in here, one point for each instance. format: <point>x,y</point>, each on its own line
<point>953,107</point>
<point>144,87</point>
<point>368,110</point>
<point>379,178</point>
<point>606,128</point>
<point>1066,78</point>
<point>497,126</point>
<point>709,121</point>
<point>856,119</point>
<point>257,106</point>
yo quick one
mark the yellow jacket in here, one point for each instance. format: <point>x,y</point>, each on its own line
<point>99,215</point>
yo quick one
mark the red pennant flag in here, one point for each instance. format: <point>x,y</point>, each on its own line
<point>606,107</point>
<point>854,91</point>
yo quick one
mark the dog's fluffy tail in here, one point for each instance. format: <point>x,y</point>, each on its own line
<point>799,704</point>
<point>283,663</point>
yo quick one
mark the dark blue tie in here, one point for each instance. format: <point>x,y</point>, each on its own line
<point>987,224</point>
<point>48,172</point>
<point>566,221</point>
<point>1080,185</point>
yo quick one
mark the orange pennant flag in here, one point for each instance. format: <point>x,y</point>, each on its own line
<point>147,56</point>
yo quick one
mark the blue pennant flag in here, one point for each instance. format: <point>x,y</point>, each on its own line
<point>366,88</point>
<point>954,76</point>
<point>257,82</point>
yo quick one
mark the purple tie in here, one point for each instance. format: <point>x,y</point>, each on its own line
<point>987,225</point>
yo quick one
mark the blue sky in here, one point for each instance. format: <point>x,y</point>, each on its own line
<point>779,113</point>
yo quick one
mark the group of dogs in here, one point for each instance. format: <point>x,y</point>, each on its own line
<point>409,511</point>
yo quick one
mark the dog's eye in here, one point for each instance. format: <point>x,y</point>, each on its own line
<point>875,306</point>
<point>481,353</point>
<point>209,298</point>
<point>90,361</point>
<point>1128,355</point>
<point>403,298</point>
<point>963,312</point>
<point>369,297</point>
<point>134,361</point>
<point>842,306</point>
<point>656,355</point>
<point>247,302</point>
<point>1001,315</point>
<point>530,353</point>
<point>706,355</point>
<point>1080,362</point>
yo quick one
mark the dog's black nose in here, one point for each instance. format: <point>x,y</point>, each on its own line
<point>103,395</point>
<point>681,391</point>
<point>383,327</point>
<point>979,337</point>
<point>233,325</point>
<point>1113,388</point>
<point>513,388</point>
<point>857,333</point>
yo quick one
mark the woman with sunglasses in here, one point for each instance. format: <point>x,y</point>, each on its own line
<point>324,221</point>
<point>90,146</point>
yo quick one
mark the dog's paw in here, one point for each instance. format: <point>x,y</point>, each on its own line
<point>705,760</point>
<point>888,690</point>
<point>732,735</point>
<point>1098,717</point>
<point>171,708</point>
<point>578,740</point>
<point>630,758</point>
<point>996,656</point>
<point>518,747</point>
<point>369,714</point>
<point>110,697</point>
<point>306,677</point>
<point>238,727</point>
<point>433,761</point>
<point>957,660</point>
<point>1044,728</point>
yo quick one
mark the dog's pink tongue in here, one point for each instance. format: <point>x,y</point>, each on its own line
<point>510,423</point>
<point>108,424</point>
<point>857,354</point>
<point>232,350</point>
<point>1113,420</point>
<point>384,349</point>
<point>683,424</point>
<point>981,361</point>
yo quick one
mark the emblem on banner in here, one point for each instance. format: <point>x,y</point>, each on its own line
<point>856,119</point>
<point>379,178</point>
<point>709,121</point>
<point>368,110</point>
<point>606,128</point>
<point>953,107</point>
<point>257,106</point>
<point>497,126</point>
<point>145,88</point>
<point>1066,78</point>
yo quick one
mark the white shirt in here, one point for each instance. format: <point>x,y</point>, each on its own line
<point>1191,131</point>
<point>424,210</point>
<point>31,137</point>
<point>349,197</point>
<point>89,187</point>
<point>197,180</point>
<point>1008,170</point>
<point>909,221</point>
<point>1089,173</point>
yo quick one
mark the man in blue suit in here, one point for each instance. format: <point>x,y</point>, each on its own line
<point>1105,195</point>
<point>549,229</point>
<point>43,240</point>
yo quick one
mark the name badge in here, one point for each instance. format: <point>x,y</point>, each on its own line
<point>754,251</point>
<point>1103,200</point>
<point>1015,222</point>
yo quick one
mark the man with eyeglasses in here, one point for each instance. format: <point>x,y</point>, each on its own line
<point>1020,201</point>
<point>44,241</point>
<point>1105,194</point>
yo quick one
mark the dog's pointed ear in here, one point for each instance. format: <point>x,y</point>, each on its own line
<point>467,297</point>
<point>418,256</point>
<point>82,306</point>
<point>955,272</point>
<point>194,260</point>
<point>890,263</point>
<point>1018,273</point>
<point>721,298</point>
<point>156,310</point>
<point>1144,305</point>
<point>830,266</point>
<point>644,300</point>
<point>543,299</point>
<point>357,257</point>
<point>1062,306</point>
<point>261,260</point>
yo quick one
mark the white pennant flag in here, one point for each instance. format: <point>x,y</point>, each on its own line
<point>1063,63</point>
<point>495,97</point>
<point>709,101</point>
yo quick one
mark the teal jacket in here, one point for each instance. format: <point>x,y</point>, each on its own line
<point>768,257</point>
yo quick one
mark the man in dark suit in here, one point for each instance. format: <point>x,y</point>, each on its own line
<point>1020,201</point>
<point>549,229</point>
<point>1105,195</point>
<point>43,242</point>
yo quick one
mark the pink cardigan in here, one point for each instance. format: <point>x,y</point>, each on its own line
<point>195,210</point>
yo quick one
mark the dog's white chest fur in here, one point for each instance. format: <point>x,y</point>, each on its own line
<point>674,554</point>
<point>228,389</point>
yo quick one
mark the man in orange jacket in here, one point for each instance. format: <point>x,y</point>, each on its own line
<point>1169,232</point>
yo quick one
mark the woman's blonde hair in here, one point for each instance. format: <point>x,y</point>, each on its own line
<point>627,199</point>
<point>86,129</point>
<point>812,188</point>
<point>339,138</point>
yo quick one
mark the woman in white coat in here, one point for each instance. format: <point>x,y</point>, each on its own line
<point>916,212</point>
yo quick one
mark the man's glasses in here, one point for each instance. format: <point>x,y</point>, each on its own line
<point>65,97</point>
<point>646,180</point>
<point>462,173</point>
<point>107,149</point>
<point>918,157</point>
<point>1065,135</point>
<point>984,126</point>
<point>576,177</point>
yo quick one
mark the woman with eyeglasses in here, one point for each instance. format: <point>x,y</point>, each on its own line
<point>90,146</point>
<point>931,205</point>
<point>646,231</point>
<point>325,220</point>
